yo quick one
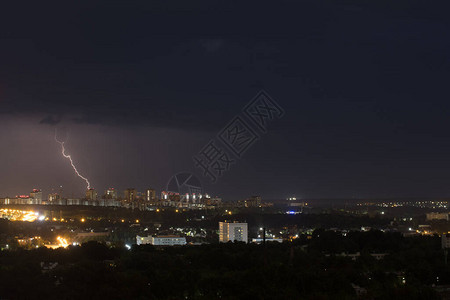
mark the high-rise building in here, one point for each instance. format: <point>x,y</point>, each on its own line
<point>150,195</point>
<point>37,196</point>
<point>111,194</point>
<point>253,201</point>
<point>130,194</point>
<point>233,232</point>
<point>91,194</point>
<point>53,198</point>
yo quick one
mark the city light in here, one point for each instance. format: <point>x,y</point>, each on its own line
<point>19,215</point>
<point>62,242</point>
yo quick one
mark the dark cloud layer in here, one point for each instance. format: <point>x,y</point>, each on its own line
<point>363,83</point>
<point>51,120</point>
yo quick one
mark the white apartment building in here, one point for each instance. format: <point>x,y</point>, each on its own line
<point>233,232</point>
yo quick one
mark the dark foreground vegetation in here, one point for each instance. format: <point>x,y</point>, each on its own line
<point>302,269</point>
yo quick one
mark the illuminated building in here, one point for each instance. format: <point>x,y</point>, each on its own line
<point>233,232</point>
<point>134,199</point>
<point>143,240</point>
<point>37,196</point>
<point>109,198</point>
<point>150,195</point>
<point>111,194</point>
<point>162,240</point>
<point>23,199</point>
<point>74,202</point>
<point>253,201</point>
<point>53,198</point>
<point>6,200</point>
<point>437,216</point>
<point>130,195</point>
<point>91,194</point>
<point>215,201</point>
<point>168,240</point>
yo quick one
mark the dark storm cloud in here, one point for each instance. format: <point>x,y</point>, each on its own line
<point>155,64</point>
<point>212,45</point>
<point>51,120</point>
<point>363,83</point>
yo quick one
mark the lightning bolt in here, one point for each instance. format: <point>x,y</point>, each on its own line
<point>63,152</point>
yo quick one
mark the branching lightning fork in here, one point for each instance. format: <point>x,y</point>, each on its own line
<point>63,151</point>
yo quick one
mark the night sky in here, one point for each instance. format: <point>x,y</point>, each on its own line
<point>140,87</point>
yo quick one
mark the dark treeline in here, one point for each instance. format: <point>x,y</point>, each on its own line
<point>304,269</point>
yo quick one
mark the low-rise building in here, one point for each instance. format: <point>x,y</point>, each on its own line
<point>168,240</point>
<point>162,240</point>
<point>143,240</point>
<point>437,216</point>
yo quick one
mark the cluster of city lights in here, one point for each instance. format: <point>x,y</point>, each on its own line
<point>421,204</point>
<point>20,215</point>
<point>62,242</point>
